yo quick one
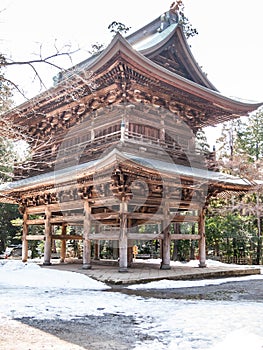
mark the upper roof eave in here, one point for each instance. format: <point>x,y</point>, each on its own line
<point>177,30</point>
<point>121,45</point>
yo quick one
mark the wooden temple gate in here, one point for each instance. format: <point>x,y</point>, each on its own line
<point>112,206</point>
<point>121,152</point>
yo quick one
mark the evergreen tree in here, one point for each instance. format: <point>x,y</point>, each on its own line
<point>201,142</point>
<point>250,137</point>
<point>9,234</point>
<point>241,155</point>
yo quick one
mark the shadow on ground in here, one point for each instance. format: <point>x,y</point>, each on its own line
<point>107,332</point>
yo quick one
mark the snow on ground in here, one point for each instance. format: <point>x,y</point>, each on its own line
<point>16,273</point>
<point>26,290</point>
<point>165,284</point>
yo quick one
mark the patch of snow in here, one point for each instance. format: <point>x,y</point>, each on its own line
<point>17,273</point>
<point>169,284</point>
<point>240,339</point>
<point>26,290</point>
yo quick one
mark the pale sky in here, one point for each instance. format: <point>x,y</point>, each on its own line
<point>228,47</point>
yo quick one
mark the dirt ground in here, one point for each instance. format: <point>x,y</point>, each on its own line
<point>108,332</point>
<point>112,331</point>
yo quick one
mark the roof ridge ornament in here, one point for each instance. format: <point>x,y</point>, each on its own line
<point>171,16</point>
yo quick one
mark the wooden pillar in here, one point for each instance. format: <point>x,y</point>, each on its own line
<point>202,245</point>
<point>115,250</point>
<point>86,233</point>
<point>176,226</point>
<point>130,253</point>
<point>24,237</point>
<point>63,244</point>
<point>166,243</point>
<point>97,250</point>
<point>123,239</point>
<point>48,239</point>
<point>160,240</point>
<point>97,244</point>
<point>130,246</point>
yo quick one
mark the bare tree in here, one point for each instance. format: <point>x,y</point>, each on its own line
<point>10,132</point>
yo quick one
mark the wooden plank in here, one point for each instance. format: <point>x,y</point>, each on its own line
<point>40,209</point>
<point>145,216</point>
<point>105,236</point>
<point>64,206</point>
<point>67,219</point>
<point>184,236</point>
<point>184,218</point>
<point>71,237</point>
<point>144,236</point>
<point>57,220</point>
<point>35,237</point>
<point>105,216</point>
<point>35,222</point>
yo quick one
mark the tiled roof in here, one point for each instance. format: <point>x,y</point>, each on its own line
<point>61,176</point>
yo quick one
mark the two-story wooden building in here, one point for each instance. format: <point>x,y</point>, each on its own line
<point>117,149</point>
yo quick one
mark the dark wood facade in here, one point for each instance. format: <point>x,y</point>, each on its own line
<point>116,147</point>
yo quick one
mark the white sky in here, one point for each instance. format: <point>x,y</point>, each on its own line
<point>228,46</point>
<point>27,290</point>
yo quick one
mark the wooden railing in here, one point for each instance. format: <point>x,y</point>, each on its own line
<point>87,150</point>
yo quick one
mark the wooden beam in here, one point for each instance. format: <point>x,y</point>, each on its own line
<point>67,237</point>
<point>145,236</point>
<point>105,216</point>
<point>57,207</point>
<point>67,219</point>
<point>105,236</point>
<point>35,237</point>
<point>184,218</point>
<point>184,236</point>
<point>57,220</point>
<point>35,222</point>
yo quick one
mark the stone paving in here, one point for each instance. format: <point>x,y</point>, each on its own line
<point>142,272</point>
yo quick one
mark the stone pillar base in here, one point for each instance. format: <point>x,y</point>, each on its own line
<point>86,267</point>
<point>165,267</point>
<point>202,265</point>
<point>47,263</point>
<point>123,269</point>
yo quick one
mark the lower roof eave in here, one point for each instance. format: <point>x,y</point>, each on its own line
<point>220,181</point>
